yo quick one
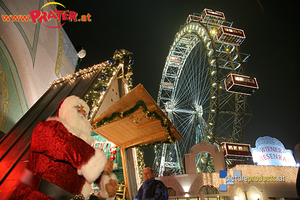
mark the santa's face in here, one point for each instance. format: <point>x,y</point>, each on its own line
<point>76,117</point>
<point>81,110</point>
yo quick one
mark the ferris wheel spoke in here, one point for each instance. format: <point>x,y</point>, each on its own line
<point>194,93</point>
<point>184,122</point>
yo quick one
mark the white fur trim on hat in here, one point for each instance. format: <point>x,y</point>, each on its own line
<point>95,166</point>
<point>105,178</point>
<point>69,103</point>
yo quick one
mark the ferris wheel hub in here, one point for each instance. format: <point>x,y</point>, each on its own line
<point>199,109</point>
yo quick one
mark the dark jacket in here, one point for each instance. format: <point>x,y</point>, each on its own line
<point>152,190</point>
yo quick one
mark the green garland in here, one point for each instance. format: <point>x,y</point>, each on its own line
<point>148,115</point>
<point>140,163</point>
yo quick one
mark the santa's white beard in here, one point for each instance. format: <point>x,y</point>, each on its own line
<point>80,125</point>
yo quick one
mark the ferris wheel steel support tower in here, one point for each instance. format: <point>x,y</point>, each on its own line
<point>192,93</point>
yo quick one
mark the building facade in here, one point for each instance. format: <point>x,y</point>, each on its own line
<point>32,56</point>
<point>242,182</point>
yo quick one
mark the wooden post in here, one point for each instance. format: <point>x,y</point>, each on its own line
<point>124,158</point>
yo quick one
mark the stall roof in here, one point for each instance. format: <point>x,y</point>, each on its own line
<point>129,122</point>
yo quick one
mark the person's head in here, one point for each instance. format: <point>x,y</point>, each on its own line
<point>70,103</point>
<point>74,110</point>
<point>148,174</point>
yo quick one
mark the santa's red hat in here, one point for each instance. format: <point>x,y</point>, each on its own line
<point>68,104</point>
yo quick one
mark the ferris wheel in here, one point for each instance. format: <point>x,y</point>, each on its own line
<point>192,92</point>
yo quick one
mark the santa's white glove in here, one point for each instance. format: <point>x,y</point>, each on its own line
<point>108,182</point>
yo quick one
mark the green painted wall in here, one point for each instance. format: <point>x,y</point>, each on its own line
<point>13,104</point>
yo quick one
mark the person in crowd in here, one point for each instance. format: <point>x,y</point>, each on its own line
<point>151,189</point>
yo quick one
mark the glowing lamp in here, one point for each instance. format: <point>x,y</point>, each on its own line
<point>81,54</point>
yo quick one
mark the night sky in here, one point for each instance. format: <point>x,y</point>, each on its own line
<point>147,29</point>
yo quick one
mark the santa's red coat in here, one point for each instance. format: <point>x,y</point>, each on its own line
<point>55,156</point>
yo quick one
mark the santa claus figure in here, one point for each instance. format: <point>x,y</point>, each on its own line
<point>63,162</point>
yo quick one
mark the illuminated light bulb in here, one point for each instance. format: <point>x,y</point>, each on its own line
<point>207,45</point>
<point>239,78</point>
<point>186,189</point>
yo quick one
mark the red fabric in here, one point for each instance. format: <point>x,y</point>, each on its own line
<point>55,155</point>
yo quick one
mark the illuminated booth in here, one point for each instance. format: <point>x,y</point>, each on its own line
<point>132,122</point>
